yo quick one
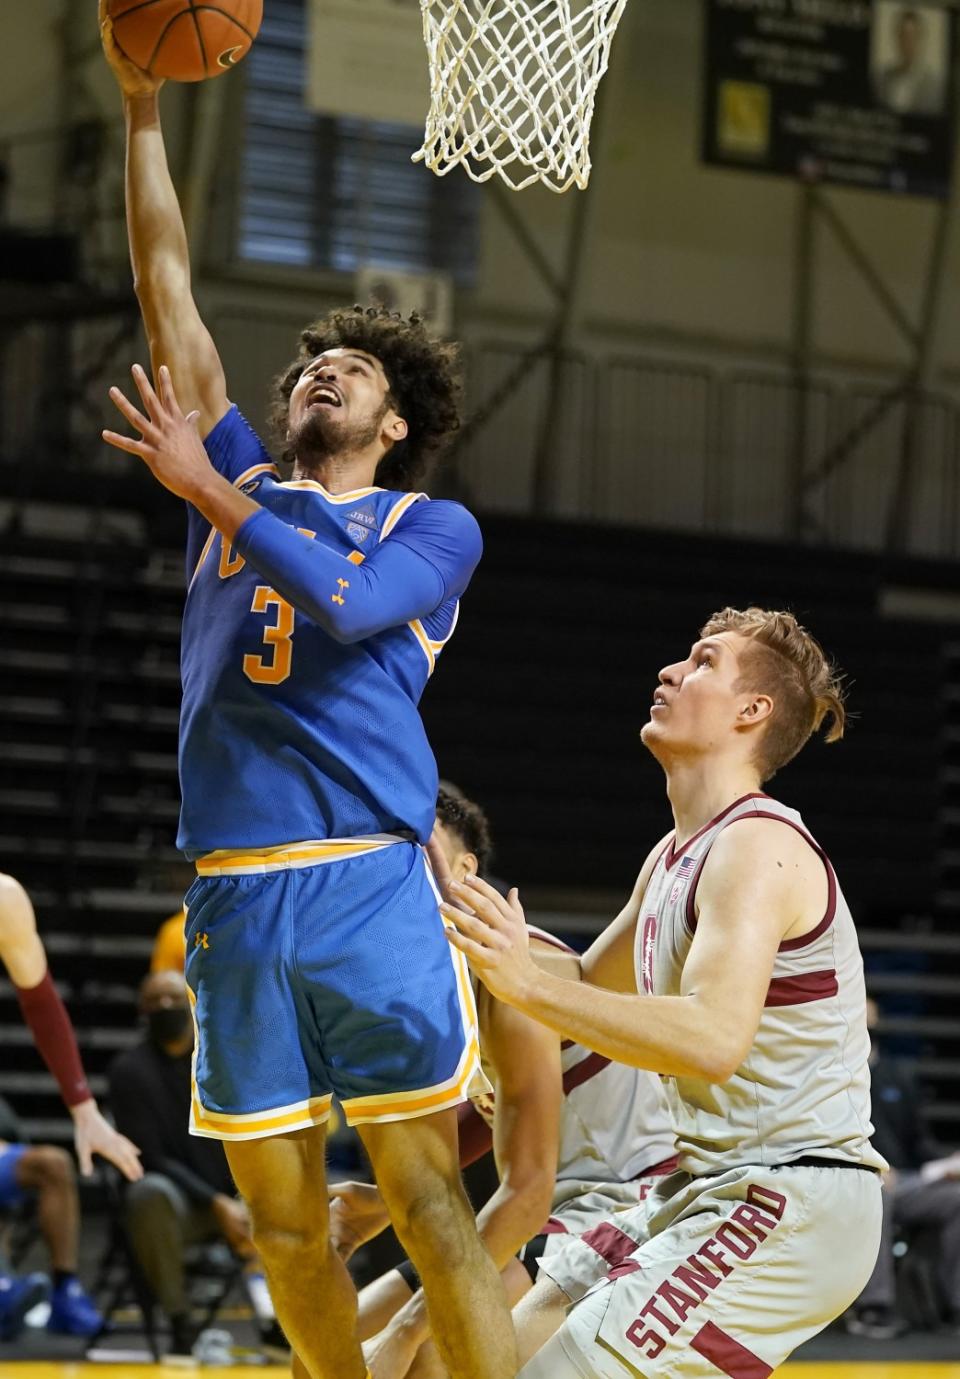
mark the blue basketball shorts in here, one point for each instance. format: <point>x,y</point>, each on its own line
<point>11,1193</point>
<point>322,968</point>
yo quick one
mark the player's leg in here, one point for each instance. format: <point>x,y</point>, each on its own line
<point>538,1316</point>
<point>48,1171</point>
<point>261,1089</point>
<point>283,1181</point>
<point>428,1365</point>
<point>416,1164</point>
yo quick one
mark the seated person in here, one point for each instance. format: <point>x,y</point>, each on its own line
<point>922,1189</point>
<point>186,1195</point>
<point>44,1176</point>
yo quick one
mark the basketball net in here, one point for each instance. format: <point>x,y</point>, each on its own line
<point>513,85</point>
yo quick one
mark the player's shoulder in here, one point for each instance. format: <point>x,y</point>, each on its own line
<point>417,512</point>
<point>760,843</point>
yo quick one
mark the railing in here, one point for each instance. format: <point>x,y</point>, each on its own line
<point>636,440</point>
<point>648,442</point>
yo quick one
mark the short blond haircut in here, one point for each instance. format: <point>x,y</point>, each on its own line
<point>785,661</point>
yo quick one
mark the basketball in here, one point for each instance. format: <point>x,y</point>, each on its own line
<point>183,40</point>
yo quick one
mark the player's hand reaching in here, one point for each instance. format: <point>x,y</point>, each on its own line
<point>169,444</point>
<point>357,1213</point>
<point>390,1353</point>
<point>133,80</point>
<point>93,1135</point>
<point>492,934</point>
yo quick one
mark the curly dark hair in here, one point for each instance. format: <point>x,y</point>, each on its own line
<point>423,375</point>
<point>467,820</point>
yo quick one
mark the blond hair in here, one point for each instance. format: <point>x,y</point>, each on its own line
<point>786,662</point>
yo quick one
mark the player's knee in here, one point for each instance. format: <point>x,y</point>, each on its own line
<point>285,1243</point>
<point>48,1166</point>
<point>282,1225</point>
<point>435,1225</point>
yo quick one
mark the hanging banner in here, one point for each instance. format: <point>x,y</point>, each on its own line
<point>858,92</point>
<point>367,59</point>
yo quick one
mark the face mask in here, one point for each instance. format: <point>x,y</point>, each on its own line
<point>168,1025</point>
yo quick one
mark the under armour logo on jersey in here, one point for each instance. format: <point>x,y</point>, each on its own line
<point>338,598</point>
<point>201,941</point>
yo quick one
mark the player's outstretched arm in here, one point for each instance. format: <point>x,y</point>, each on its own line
<point>23,956</point>
<point>406,577</point>
<point>158,246</point>
<point>747,904</point>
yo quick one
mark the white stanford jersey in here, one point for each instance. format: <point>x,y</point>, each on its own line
<point>614,1121</point>
<point>804,1087</point>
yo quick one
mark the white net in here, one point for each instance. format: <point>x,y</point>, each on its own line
<point>513,85</point>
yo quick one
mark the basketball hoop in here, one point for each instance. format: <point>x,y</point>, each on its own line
<point>513,85</point>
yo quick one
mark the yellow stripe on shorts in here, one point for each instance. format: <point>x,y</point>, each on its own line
<point>312,853</point>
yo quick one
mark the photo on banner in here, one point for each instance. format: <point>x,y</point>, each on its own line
<point>910,58</point>
<point>854,92</point>
<point>367,60</point>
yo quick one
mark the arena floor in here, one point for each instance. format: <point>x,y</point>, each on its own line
<point>32,1369</point>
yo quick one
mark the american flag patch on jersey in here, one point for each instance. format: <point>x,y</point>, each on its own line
<point>685,869</point>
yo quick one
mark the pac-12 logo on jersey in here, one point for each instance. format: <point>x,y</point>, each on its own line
<point>251,486</point>
<point>360,523</point>
<point>648,937</point>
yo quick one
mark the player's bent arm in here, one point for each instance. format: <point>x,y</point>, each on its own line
<point>161,269</point>
<point>526,1129</point>
<point>609,961</point>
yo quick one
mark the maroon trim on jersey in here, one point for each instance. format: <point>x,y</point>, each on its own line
<point>661,1170</point>
<point>791,944</point>
<point>582,1072</point>
<point>727,1354</point>
<point>629,1266</point>
<point>554,1227</point>
<point>799,990</point>
<point>689,909</point>
<point>534,932</point>
<point>672,857</point>
<point>609,1243</point>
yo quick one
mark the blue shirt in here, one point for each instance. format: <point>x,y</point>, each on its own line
<point>306,648</point>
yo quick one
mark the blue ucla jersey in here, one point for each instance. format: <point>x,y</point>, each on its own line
<point>296,726</point>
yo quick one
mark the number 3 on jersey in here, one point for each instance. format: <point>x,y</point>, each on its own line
<point>274,671</point>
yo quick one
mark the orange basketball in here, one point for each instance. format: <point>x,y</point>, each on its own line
<point>184,39</point>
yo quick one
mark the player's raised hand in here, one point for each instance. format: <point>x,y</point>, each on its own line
<point>169,444</point>
<point>492,934</point>
<point>94,1135</point>
<point>133,80</point>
